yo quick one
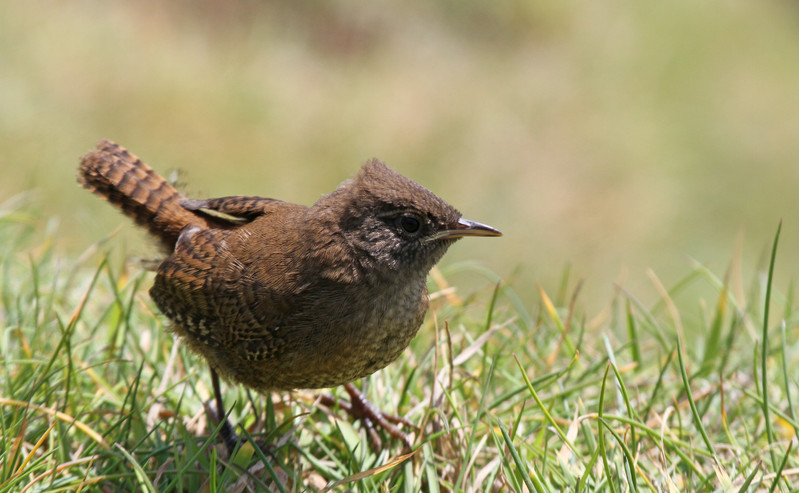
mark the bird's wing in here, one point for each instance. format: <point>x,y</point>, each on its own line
<point>236,209</point>
<point>222,299</point>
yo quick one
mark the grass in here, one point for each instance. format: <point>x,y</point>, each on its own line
<point>510,394</point>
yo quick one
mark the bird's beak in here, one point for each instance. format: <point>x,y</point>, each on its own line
<point>465,227</point>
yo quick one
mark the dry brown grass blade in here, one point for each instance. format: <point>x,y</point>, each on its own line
<point>371,472</point>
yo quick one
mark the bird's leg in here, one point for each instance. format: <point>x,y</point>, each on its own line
<point>360,408</point>
<point>227,433</point>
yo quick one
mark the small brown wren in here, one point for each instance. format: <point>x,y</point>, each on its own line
<point>279,296</point>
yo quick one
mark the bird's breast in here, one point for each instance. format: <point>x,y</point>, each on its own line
<point>346,337</point>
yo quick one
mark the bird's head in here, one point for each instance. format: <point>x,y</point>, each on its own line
<point>397,225</point>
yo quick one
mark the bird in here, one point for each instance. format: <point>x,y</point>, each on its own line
<point>279,296</point>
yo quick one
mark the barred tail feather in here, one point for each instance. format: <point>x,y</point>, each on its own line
<point>120,177</point>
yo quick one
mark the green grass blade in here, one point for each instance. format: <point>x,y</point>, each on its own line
<point>765,346</point>
<point>632,333</point>
<point>786,380</point>
<point>778,474</point>
<point>628,456</point>
<point>144,482</point>
<point>601,433</point>
<point>748,481</point>
<point>690,397</point>
<point>550,420</point>
<point>530,479</point>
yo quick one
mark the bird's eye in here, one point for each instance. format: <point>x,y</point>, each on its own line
<point>409,224</point>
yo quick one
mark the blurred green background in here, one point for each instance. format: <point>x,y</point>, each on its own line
<point>613,136</point>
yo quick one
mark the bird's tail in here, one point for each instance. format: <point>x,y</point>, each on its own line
<point>121,178</point>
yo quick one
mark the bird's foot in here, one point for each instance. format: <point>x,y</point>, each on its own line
<point>227,433</point>
<point>360,408</point>
<point>215,409</point>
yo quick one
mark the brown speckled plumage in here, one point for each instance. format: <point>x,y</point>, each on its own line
<point>280,296</point>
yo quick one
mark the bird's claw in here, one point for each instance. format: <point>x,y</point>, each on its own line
<point>370,416</point>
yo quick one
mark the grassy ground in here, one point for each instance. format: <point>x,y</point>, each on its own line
<point>509,394</point>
